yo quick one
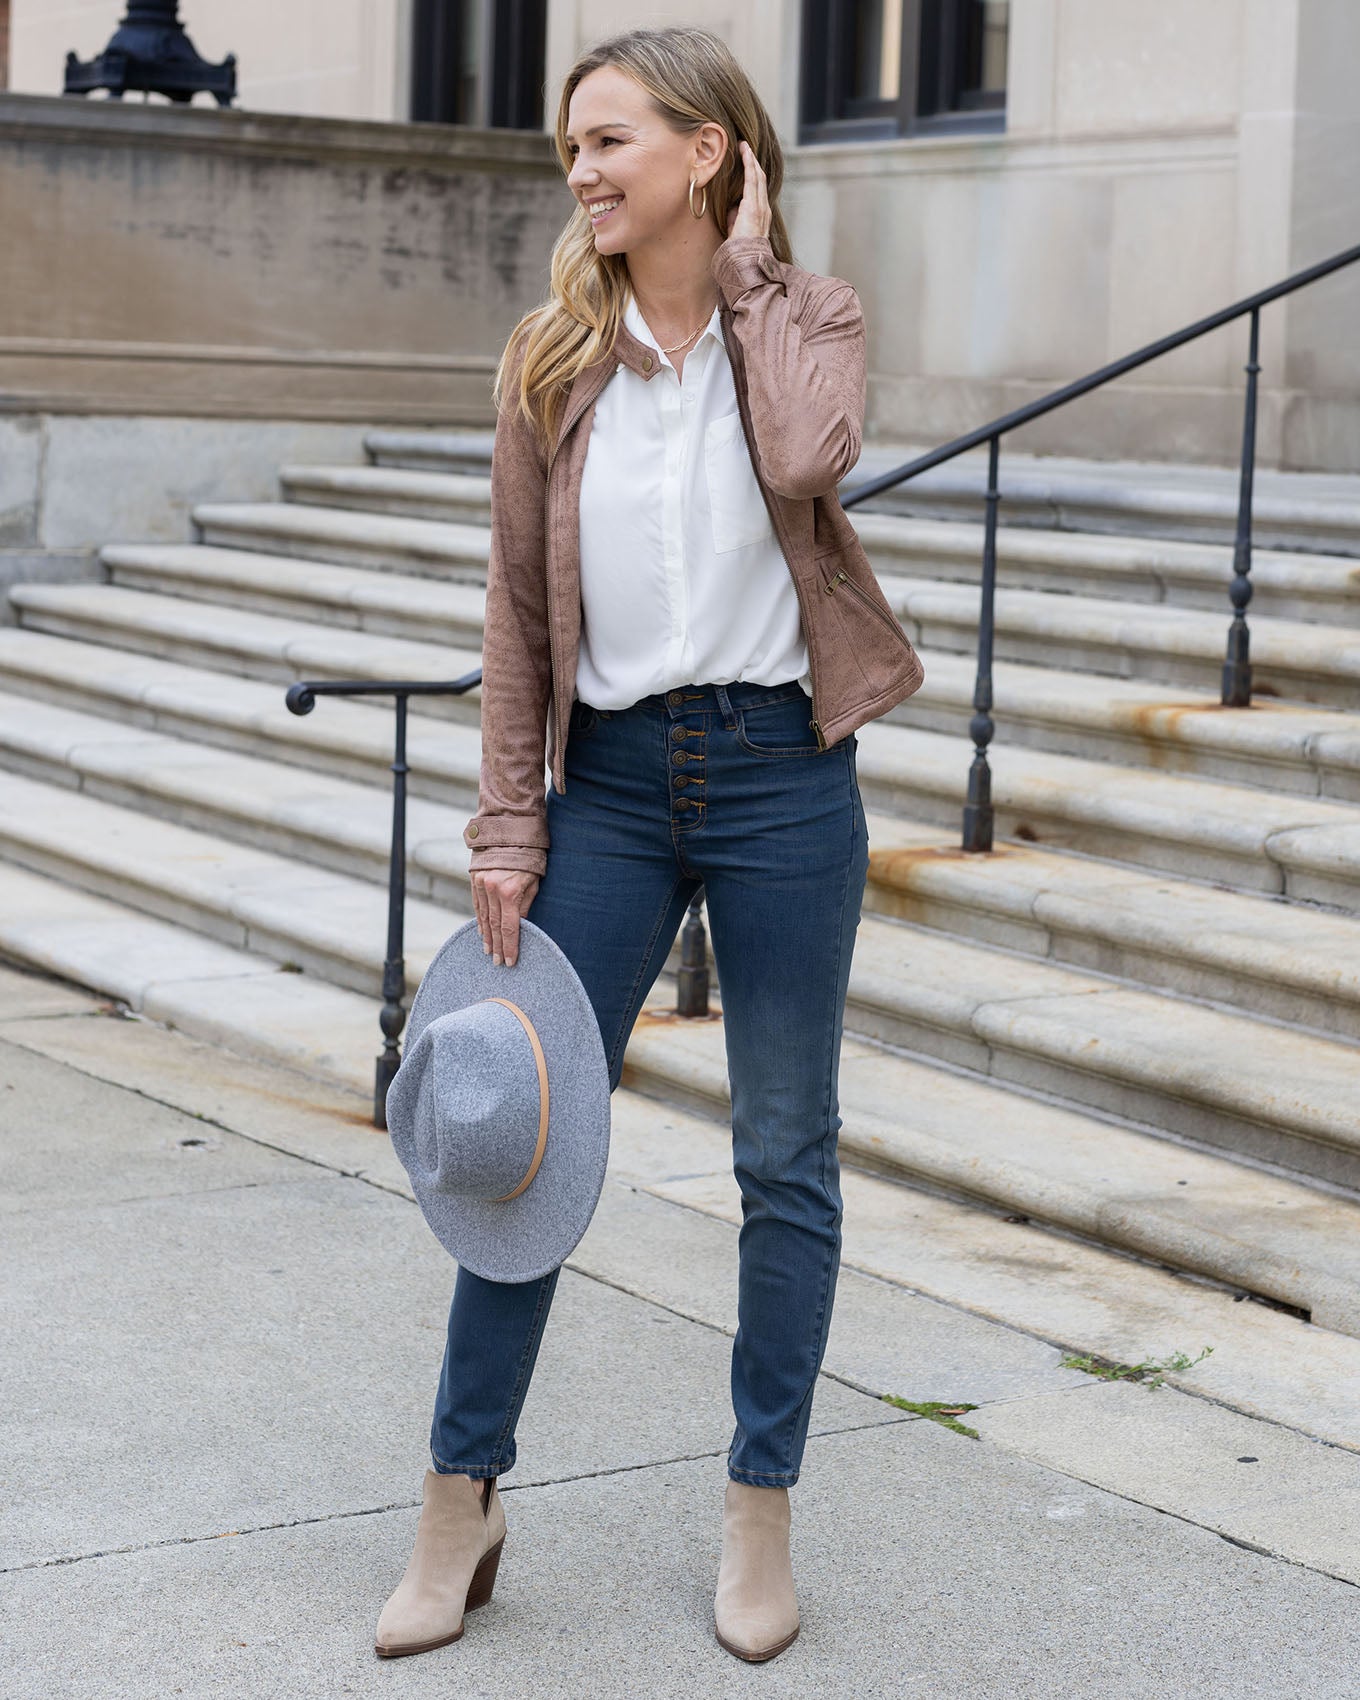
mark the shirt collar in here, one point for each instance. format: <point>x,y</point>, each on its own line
<point>635,322</point>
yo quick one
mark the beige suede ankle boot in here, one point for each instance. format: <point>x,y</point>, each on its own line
<point>755,1610</point>
<point>452,1569</point>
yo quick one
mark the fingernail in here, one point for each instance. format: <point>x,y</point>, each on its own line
<point>486,948</point>
<point>497,959</point>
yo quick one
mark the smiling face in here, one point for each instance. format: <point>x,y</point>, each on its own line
<point>628,163</point>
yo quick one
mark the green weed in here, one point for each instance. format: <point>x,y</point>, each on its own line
<point>1149,1372</point>
<point>938,1410</point>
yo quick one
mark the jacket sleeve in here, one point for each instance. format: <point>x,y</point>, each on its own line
<point>806,382</point>
<point>510,828</point>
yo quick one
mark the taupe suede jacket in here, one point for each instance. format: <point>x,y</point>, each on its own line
<point>796,343</point>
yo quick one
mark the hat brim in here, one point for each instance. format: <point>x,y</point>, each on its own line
<point>523,1238</point>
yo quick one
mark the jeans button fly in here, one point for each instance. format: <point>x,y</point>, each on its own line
<point>679,758</point>
<point>675,698</point>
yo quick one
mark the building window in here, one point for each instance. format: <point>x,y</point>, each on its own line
<point>479,62</point>
<point>875,68</point>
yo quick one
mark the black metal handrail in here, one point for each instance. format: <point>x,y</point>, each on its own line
<point>692,986</point>
<point>301,699</point>
<point>1236,688</point>
<point>692,996</point>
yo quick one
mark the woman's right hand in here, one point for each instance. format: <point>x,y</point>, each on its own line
<point>502,896</point>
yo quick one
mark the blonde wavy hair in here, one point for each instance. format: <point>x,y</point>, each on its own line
<point>692,79</point>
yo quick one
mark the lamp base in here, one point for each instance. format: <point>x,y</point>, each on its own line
<point>149,51</point>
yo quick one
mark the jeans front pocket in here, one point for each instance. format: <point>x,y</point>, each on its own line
<point>780,727</point>
<point>584,719</point>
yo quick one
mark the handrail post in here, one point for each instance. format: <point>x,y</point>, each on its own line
<point>977,813</point>
<point>1237,666</point>
<point>691,997</point>
<point>300,698</point>
<point>393,1016</point>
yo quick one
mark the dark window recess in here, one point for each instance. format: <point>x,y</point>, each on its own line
<point>479,62</point>
<point>874,68</point>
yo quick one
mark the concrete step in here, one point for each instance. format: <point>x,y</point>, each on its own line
<point>1272,745</point>
<point>1175,646</point>
<point>1313,751</point>
<point>382,542</point>
<point>450,497</point>
<point>347,738</point>
<point>423,609</point>
<point>308,915</point>
<point>1278,960</point>
<point>1308,587</point>
<point>1112,1184</point>
<point>310,817</point>
<point>1268,1092</point>
<point>1287,962</point>
<point>1292,659</point>
<point>459,451</point>
<point>240,641</point>
<point>1289,585</point>
<point>1185,1209</point>
<point>1202,829</point>
<point>1292,510</point>
<point>1253,839</point>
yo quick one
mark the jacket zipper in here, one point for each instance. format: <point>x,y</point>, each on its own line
<point>567,426</point>
<point>844,578</point>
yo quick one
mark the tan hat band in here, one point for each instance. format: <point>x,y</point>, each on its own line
<point>539,1058</point>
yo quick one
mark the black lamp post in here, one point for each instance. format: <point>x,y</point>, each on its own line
<point>149,50</point>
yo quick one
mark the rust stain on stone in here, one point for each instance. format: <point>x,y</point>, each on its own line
<point>673,1018</point>
<point>895,867</point>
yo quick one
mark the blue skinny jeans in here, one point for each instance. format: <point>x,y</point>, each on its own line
<point>724,787</point>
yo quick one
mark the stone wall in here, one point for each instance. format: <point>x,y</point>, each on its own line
<point>192,297</point>
<point>187,260</point>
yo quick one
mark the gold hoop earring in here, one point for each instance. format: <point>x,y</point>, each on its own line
<point>703,205</point>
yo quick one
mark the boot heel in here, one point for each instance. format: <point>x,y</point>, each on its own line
<point>484,1578</point>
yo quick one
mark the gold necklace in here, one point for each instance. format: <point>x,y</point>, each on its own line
<point>689,338</point>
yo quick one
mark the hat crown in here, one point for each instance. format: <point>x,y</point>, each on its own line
<point>473,1124</point>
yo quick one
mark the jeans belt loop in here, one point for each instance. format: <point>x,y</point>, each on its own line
<point>725,704</point>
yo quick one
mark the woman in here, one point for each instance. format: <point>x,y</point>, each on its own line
<point>678,606</point>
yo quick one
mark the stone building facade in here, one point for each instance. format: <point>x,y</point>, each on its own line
<point>1020,191</point>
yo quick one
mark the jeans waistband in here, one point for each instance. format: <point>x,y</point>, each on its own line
<point>721,699</point>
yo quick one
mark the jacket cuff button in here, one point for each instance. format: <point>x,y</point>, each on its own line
<point>472,832</point>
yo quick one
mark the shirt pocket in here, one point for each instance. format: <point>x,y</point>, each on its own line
<point>740,516</point>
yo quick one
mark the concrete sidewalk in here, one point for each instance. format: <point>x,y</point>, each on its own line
<point>224,1319</point>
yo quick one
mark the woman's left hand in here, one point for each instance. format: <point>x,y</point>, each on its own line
<point>752,216</point>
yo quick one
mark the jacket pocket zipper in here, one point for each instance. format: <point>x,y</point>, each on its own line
<point>890,621</point>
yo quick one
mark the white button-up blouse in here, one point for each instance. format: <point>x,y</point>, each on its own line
<point>682,578</point>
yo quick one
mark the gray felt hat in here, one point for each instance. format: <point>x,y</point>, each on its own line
<point>500,1109</point>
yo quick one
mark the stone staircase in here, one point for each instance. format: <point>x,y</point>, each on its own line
<point>1137,1023</point>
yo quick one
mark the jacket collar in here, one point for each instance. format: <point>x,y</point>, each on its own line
<point>630,351</point>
